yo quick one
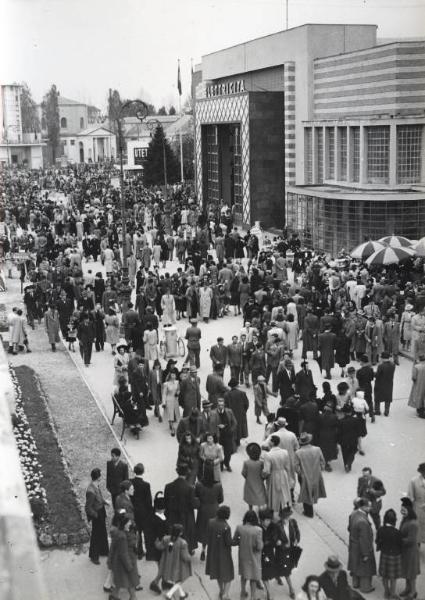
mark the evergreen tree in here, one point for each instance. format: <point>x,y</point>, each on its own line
<point>172,110</point>
<point>162,111</point>
<point>30,118</point>
<point>154,162</point>
<point>50,108</point>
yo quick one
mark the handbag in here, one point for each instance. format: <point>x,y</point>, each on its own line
<point>295,555</point>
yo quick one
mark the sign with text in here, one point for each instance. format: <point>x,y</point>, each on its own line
<point>139,155</point>
<point>225,89</point>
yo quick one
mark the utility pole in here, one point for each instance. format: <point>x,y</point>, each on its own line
<point>287,14</point>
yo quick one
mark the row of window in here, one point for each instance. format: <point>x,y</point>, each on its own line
<point>376,151</point>
<point>64,123</point>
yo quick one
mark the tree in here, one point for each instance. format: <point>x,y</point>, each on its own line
<point>172,110</point>
<point>154,162</point>
<point>29,113</point>
<point>162,111</point>
<point>50,109</point>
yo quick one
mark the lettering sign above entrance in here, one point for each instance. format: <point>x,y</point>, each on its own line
<point>139,155</point>
<point>224,89</point>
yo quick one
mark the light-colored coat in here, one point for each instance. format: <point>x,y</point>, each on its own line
<point>18,331</point>
<point>309,462</point>
<point>51,322</point>
<point>277,467</point>
<point>288,442</point>
<point>205,299</point>
<point>249,538</point>
<point>416,493</point>
<point>417,393</point>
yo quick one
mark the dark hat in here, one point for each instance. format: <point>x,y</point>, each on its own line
<point>333,563</point>
<point>233,382</point>
<point>206,404</point>
<point>421,468</point>
<point>406,502</point>
<point>159,501</point>
<point>305,438</point>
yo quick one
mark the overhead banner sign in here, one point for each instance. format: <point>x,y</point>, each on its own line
<point>225,89</point>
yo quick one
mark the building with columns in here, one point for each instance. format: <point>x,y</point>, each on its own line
<point>318,128</point>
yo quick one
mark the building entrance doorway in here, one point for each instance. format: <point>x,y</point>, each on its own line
<point>81,145</point>
<point>223,166</point>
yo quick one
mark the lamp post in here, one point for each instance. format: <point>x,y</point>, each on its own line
<point>154,124</point>
<point>141,113</point>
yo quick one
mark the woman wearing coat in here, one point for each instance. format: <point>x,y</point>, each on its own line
<point>219,563</point>
<point>409,548</point>
<point>51,322</point>
<point>168,309</point>
<point>112,329</point>
<point>277,469</point>
<point>175,565</point>
<point>272,539</point>
<point>249,538</point>
<point>122,559</point>
<point>188,456</point>
<point>210,495</point>
<point>328,435</point>
<point>254,493</point>
<point>212,455</point>
<point>205,299</point>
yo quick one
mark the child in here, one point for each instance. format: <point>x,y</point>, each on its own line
<point>72,331</point>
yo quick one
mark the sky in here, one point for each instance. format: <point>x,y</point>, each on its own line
<point>86,47</point>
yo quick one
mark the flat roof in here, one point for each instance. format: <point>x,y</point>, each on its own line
<point>376,47</point>
<point>347,193</point>
<point>283,31</point>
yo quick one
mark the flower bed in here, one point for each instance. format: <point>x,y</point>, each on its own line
<point>57,516</point>
<point>28,456</point>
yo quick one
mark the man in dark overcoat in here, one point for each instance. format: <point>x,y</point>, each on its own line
<point>384,380</point>
<point>215,386</point>
<point>334,581</point>
<point>361,556</point>
<point>326,345</point>
<point>223,424</point>
<point>238,402</point>
<point>310,333</point>
<point>180,502</point>
<point>190,393</point>
<point>116,472</point>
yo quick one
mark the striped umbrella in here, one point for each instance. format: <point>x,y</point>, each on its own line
<point>396,241</point>
<point>366,249</point>
<point>390,256</point>
<point>420,247</point>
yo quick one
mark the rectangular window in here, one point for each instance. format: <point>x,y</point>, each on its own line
<point>237,170</point>
<point>212,163</point>
<point>378,154</point>
<point>308,155</point>
<point>72,142</point>
<point>330,170</point>
<point>355,132</point>
<point>409,146</point>
<point>319,154</point>
<point>342,153</point>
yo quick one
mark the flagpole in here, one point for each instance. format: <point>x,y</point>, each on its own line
<point>180,132</point>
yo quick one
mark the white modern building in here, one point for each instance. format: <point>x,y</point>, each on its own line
<point>16,148</point>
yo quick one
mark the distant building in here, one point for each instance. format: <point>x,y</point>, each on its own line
<point>83,137</point>
<point>16,148</point>
<point>319,128</point>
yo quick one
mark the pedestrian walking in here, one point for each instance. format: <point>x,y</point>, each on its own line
<point>238,402</point>
<point>254,493</point>
<point>180,502</point>
<point>389,544</point>
<point>96,515</point>
<point>175,565</point>
<point>417,392</point>
<point>158,528</point>
<point>52,325</point>
<point>142,504</point>
<point>416,492</point>
<point>311,590</point>
<point>384,380</point>
<point>223,421</point>
<point>361,556</point>
<point>249,538</point>
<point>409,548</point>
<point>210,494</point>
<point>211,456</point>
<point>261,392</point>
<point>348,436</point>
<point>277,472</point>
<point>122,559</point>
<point>170,396</point>
<point>309,463</point>
<point>116,472</point>
<point>333,580</point>
<point>328,435</point>
<point>219,563</point>
<point>372,488</point>
<point>272,535</point>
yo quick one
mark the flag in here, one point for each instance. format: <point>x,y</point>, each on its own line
<point>179,81</point>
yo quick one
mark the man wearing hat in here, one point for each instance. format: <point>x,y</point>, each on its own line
<point>219,356</point>
<point>30,304</point>
<point>180,502</point>
<point>334,580</point>
<point>392,335</point>
<point>361,556</point>
<point>205,415</point>
<point>215,386</point>
<point>193,335</point>
<point>309,464</point>
<point>416,493</point>
<point>261,392</point>
<point>237,400</point>
<point>192,423</point>
<point>190,393</point>
<point>384,379</point>
<point>287,441</point>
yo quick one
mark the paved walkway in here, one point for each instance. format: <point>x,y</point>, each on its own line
<point>394,447</point>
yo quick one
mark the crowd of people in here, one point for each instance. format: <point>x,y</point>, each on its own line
<point>187,264</point>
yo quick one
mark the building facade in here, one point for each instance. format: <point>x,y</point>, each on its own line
<point>16,147</point>
<point>347,116</point>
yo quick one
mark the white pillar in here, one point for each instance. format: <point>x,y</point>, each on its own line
<point>393,155</point>
<point>363,155</point>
